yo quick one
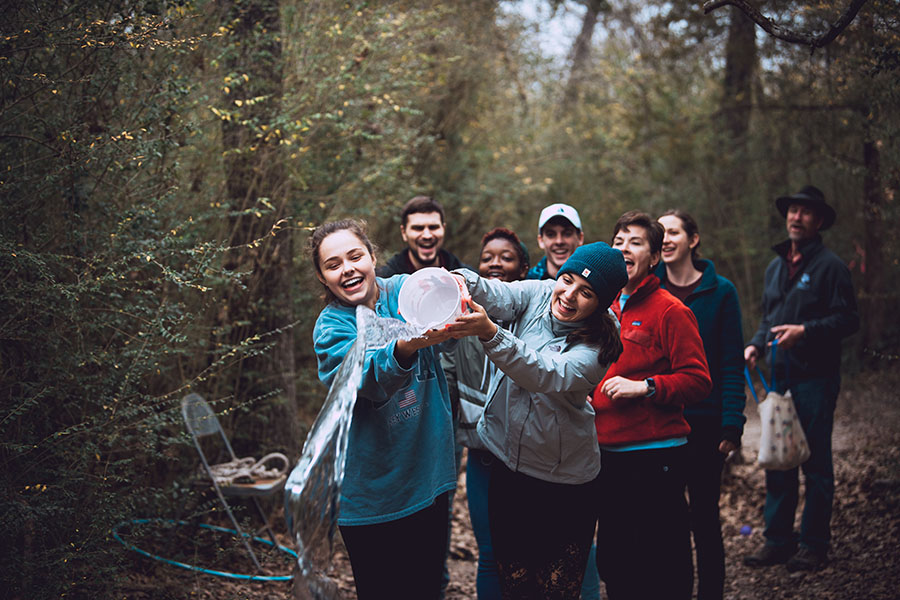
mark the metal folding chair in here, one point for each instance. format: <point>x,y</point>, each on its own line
<point>201,422</point>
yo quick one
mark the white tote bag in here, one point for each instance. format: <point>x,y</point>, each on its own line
<point>782,445</point>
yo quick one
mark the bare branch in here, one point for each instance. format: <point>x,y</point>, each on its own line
<point>787,35</point>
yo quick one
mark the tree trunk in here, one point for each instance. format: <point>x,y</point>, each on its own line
<point>581,53</point>
<point>740,67</point>
<point>257,198</point>
<point>874,292</point>
<point>737,92</point>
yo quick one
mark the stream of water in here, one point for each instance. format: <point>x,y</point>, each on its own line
<point>312,491</point>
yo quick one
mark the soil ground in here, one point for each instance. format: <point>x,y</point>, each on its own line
<point>864,559</point>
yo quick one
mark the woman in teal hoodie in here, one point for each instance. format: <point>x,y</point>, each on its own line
<point>718,421</point>
<point>400,465</point>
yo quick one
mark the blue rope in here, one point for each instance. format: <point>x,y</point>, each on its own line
<point>115,533</point>
<point>766,386</point>
<point>750,383</point>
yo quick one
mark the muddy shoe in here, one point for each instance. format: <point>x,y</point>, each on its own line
<point>805,560</point>
<point>769,555</point>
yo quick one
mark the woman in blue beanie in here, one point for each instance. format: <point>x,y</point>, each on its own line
<point>469,376</point>
<point>537,422</point>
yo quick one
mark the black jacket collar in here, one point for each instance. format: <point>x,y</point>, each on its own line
<point>808,248</point>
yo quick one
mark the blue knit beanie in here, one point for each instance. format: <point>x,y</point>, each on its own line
<point>602,266</point>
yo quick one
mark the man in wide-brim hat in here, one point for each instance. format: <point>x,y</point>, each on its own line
<point>811,197</point>
<point>808,307</point>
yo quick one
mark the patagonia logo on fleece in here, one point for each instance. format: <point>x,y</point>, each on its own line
<point>636,323</point>
<point>803,284</point>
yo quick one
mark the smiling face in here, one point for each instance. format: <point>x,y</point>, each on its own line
<point>500,260</point>
<point>634,243</point>
<point>424,234</point>
<point>558,239</point>
<point>677,245</point>
<point>573,298</point>
<point>803,222</point>
<point>347,269</point>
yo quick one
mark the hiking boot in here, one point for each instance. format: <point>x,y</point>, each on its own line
<point>806,560</point>
<point>769,555</point>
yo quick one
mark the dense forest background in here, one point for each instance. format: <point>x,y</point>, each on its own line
<point>162,162</point>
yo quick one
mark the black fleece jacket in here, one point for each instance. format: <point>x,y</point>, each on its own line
<point>820,296</point>
<point>400,263</point>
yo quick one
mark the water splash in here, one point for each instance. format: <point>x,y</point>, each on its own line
<point>312,491</point>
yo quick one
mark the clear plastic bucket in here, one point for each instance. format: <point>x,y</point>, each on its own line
<point>431,298</point>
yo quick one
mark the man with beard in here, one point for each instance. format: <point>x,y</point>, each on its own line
<point>808,308</point>
<point>559,233</point>
<point>423,231</point>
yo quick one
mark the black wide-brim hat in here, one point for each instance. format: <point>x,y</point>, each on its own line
<point>812,197</point>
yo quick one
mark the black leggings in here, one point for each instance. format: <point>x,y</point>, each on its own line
<point>400,559</point>
<point>541,533</point>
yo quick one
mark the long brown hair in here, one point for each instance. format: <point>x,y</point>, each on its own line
<point>599,330</point>
<point>357,228</point>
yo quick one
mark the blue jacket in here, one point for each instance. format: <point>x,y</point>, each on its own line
<point>539,270</point>
<point>537,419</point>
<point>821,297</point>
<point>400,448</point>
<point>715,304</point>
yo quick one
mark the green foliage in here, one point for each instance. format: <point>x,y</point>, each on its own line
<point>161,164</point>
<point>104,271</point>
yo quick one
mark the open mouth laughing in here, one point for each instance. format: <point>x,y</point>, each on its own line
<point>353,284</point>
<point>565,309</point>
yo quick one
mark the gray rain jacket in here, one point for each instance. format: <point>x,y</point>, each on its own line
<point>537,419</point>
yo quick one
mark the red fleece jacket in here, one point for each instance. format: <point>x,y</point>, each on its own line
<point>661,341</point>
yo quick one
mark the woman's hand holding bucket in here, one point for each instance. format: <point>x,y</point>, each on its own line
<point>473,323</point>
<point>405,350</point>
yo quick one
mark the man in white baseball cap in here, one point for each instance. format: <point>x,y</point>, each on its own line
<point>559,233</point>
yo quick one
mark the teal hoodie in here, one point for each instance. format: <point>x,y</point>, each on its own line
<point>715,304</point>
<point>400,448</point>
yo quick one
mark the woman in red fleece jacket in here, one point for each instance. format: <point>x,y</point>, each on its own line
<point>643,535</point>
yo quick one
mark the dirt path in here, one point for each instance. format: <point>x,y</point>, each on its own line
<point>865,555</point>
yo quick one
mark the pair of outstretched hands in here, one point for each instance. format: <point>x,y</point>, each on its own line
<point>474,321</point>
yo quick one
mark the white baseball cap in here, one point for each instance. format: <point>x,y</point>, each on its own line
<point>559,210</point>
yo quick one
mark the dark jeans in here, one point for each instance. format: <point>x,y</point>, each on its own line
<point>815,401</point>
<point>478,477</point>
<point>400,559</point>
<point>643,534</point>
<point>541,534</point>
<point>704,480</point>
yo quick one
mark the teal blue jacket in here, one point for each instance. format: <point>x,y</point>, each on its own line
<point>400,449</point>
<point>715,304</point>
<point>539,270</point>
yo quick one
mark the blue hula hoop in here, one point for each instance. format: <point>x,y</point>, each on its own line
<point>115,534</point>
